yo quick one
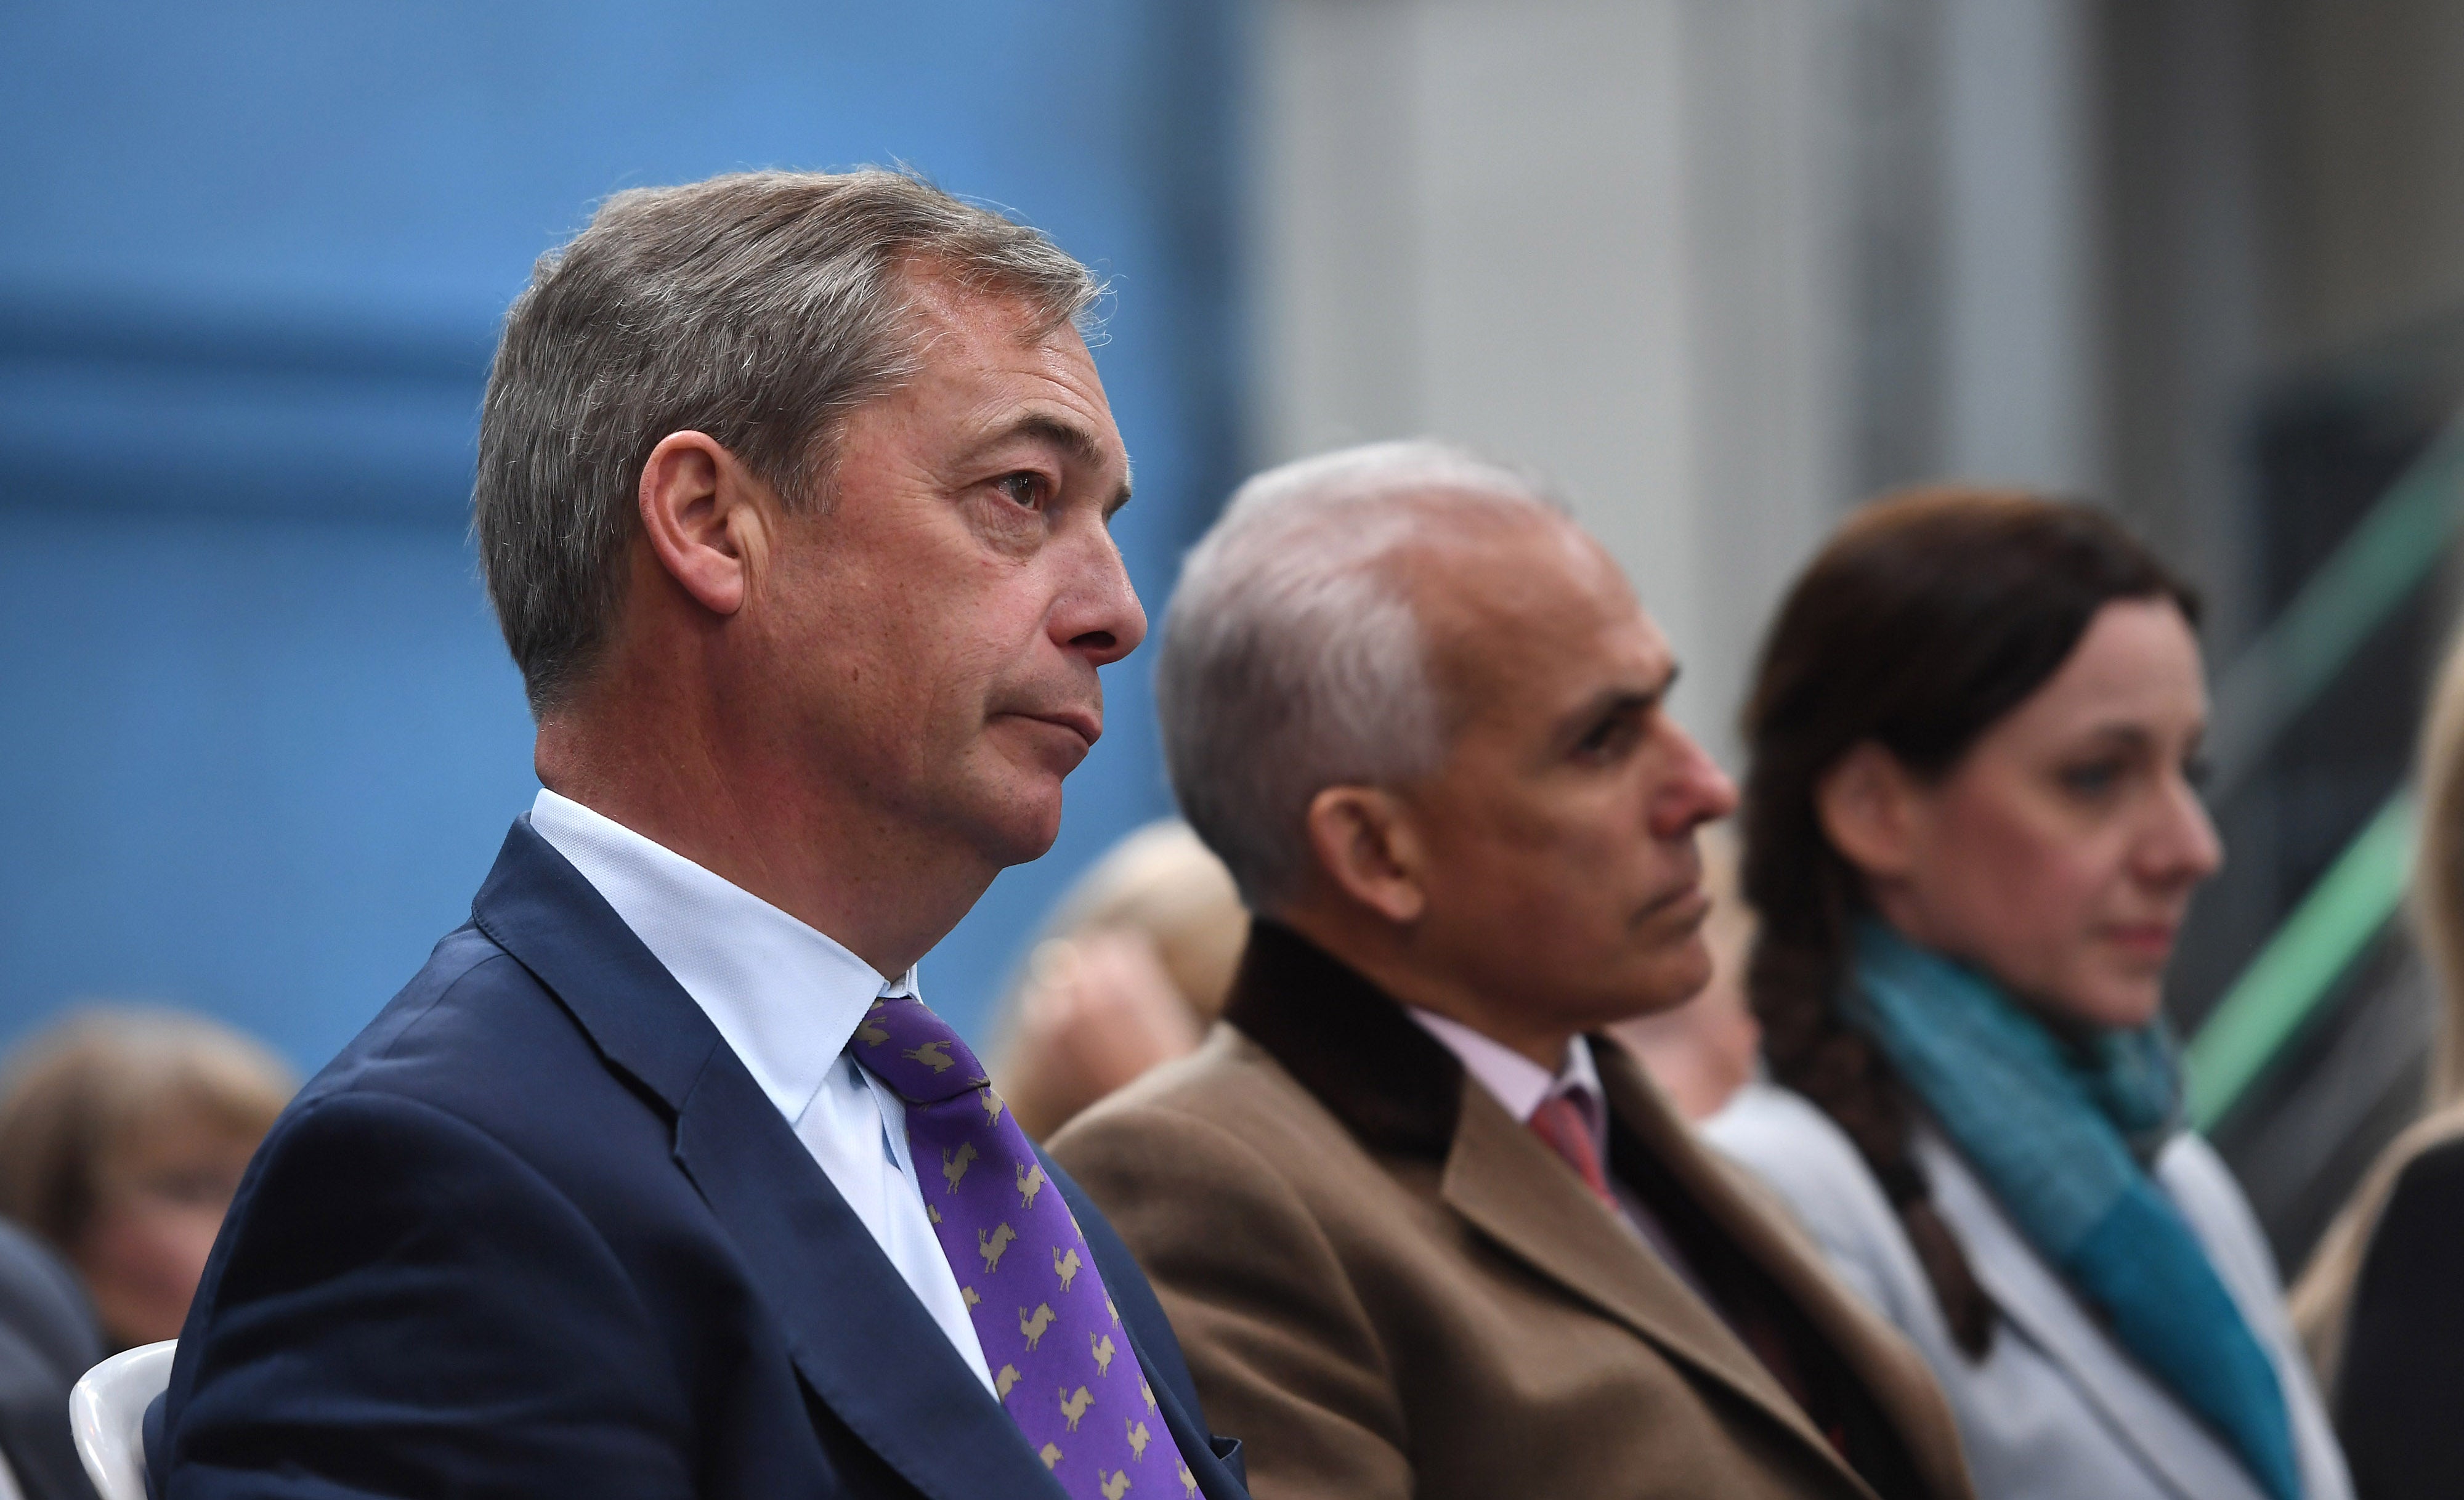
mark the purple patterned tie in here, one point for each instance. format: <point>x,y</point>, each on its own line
<point>1059,1360</point>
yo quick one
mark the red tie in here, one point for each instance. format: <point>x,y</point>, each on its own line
<point>1560,1122</point>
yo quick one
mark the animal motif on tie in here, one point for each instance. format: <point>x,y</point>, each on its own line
<point>992,1103</point>
<point>932,1213</point>
<point>1115,1486</point>
<point>1066,1265</point>
<point>954,1168</point>
<point>1074,1404</point>
<point>1030,1182</point>
<point>869,1034</point>
<point>1004,1380</point>
<point>1138,1437</point>
<point>1033,1325</point>
<point>969,1292</point>
<point>1051,1453</point>
<point>1109,1307</point>
<point>1147,1390</point>
<point>991,1247</point>
<point>1188,1480</point>
<point>935,1055</point>
<point>1100,1345</point>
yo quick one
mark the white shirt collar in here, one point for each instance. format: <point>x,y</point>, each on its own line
<point>784,996</point>
<point>1514,1080</point>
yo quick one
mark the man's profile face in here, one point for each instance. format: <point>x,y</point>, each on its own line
<point>1561,873</point>
<point>938,621</point>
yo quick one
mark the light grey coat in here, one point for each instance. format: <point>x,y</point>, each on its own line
<point>2057,1410</point>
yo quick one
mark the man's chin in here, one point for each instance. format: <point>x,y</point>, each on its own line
<point>1672,982</point>
<point>1018,825</point>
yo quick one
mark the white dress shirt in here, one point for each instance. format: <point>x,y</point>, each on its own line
<point>1522,1086</point>
<point>786,999</point>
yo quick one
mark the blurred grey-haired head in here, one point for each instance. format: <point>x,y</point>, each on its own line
<point>1294,657</point>
<point>758,308</point>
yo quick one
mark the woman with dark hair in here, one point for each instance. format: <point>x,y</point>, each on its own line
<point>1970,837</point>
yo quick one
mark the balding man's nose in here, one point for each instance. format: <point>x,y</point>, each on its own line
<point>1696,793</point>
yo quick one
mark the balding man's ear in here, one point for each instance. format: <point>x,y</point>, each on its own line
<point>707,518</point>
<point>1366,848</point>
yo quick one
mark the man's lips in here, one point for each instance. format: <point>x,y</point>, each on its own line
<point>1689,902</point>
<point>1087,724</point>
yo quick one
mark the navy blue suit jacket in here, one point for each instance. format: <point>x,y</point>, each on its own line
<point>538,1232</point>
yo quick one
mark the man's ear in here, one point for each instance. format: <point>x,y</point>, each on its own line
<point>708,519</point>
<point>1867,806</point>
<point>1366,848</point>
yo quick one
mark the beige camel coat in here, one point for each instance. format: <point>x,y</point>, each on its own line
<point>1389,1287</point>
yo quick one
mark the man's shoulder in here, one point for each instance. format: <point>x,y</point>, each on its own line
<point>476,1038</point>
<point>1229,1084</point>
<point>1231,1125</point>
<point>468,1004</point>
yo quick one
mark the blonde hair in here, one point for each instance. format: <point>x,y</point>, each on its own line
<point>74,1095</point>
<point>2322,1300</point>
<point>1162,883</point>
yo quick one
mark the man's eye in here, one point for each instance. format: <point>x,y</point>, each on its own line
<point>1606,739</point>
<point>1024,489</point>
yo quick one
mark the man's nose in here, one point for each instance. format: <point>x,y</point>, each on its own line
<point>1696,791</point>
<point>1098,614</point>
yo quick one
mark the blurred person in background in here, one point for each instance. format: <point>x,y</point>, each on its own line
<point>48,1338</point>
<point>1969,837</point>
<point>2382,1306</point>
<point>123,1132</point>
<point>1702,1051</point>
<point>1426,1231</point>
<point>1130,972</point>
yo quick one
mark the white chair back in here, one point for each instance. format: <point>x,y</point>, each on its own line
<point>107,1416</point>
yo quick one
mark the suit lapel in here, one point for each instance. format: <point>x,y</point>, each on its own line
<point>1884,1366</point>
<point>858,1336</point>
<point>1508,1185</point>
<point>1159,1359</point>
<point>1401,1092</point>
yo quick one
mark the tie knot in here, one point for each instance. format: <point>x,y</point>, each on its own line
<point>915,1052</point>
<point>1562,1122</point>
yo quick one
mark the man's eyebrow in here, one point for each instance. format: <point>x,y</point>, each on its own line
<point>1071,438</point>
<point>1622,699</point>
<point>1649,697</point>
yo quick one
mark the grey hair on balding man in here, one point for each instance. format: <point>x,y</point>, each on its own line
<point>1293,658</point>
<point>757,308</point>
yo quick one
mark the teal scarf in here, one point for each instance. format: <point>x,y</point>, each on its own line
<point>2061,1134</point>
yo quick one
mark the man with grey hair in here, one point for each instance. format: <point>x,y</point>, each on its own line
<point>660,1180</point>
<point>1425,1231</point>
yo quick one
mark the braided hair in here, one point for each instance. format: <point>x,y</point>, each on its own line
<point>1929,616</point>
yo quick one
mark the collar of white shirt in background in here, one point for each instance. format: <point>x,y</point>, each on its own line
<point>785,996</point>
<point>1517,1082</point>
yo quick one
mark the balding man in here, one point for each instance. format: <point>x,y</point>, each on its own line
<point>1423,1230</point>
<point>661,1180</point>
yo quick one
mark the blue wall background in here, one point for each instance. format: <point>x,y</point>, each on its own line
<point>260,738</point>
